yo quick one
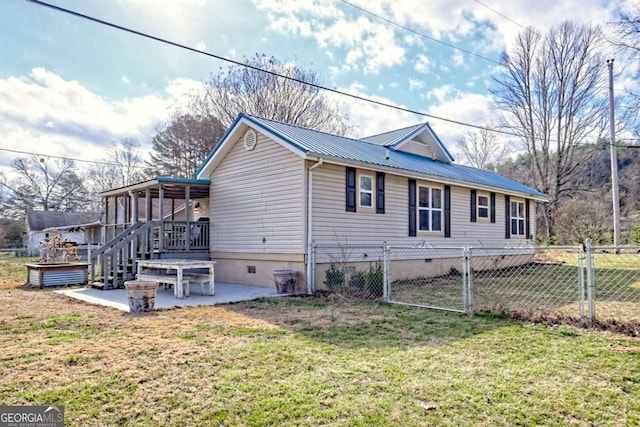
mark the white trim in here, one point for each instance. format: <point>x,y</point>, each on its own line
<point>233,135</point>
<point>429,209</point>
<point>479,206</point>
<point>361,191</point>
<point>517,218</point>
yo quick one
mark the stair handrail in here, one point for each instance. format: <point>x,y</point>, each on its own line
<point>119,241</point>
<point>127,231</point>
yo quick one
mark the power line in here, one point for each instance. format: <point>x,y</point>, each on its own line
<point>273,73</point>
<point>56,157</point>
<point>96,162</point>
<point>501,14</point>
<point>411,30</point>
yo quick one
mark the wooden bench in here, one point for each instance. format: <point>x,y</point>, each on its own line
<point>200,278</point>
<point>166,279</point>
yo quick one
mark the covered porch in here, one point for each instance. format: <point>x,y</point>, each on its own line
<point>160,218</point>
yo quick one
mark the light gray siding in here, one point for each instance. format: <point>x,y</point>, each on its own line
<point>418,148</point>
<point>257,198</point>
<point>332,224</point>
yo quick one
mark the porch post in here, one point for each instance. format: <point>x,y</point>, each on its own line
<point>187,207</point>
<point>161,202</point>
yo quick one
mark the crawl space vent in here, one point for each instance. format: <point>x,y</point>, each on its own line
<point>250,139</point>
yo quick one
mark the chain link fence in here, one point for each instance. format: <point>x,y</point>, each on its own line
<point>532,282</point>
<point>575,282</point>
<point>616,283</point>
<point>427,277</point>
<point>350,270</point>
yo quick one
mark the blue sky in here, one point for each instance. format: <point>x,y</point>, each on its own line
<point>70,87</point>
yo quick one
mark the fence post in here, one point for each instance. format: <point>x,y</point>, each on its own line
<point>590,282</point>
<point>385,272</point>
<point>467,281</point>
<point>581,284</point>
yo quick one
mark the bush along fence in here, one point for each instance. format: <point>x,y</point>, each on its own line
<point>573,282</point>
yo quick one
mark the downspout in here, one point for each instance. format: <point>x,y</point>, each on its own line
<point>310,283</point>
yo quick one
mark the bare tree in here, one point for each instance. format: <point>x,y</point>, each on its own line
<point>627,41</point>
<point>241,89</point>
<point>627,30</point>
<point>183,143</point>
<point>482,149</point>
<point>43,184</point>
<point>586,216</point>
<point>126,160</point>
<point>552,95</point>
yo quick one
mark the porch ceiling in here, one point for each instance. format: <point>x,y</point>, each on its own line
<point>174,188</point>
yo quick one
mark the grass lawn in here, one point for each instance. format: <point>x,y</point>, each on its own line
<point>307,362</point>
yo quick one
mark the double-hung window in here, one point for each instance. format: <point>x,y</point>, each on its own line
<point>429,209</point>
<point>366,191</point>
<point>517,216</point>
<point>483,206</point>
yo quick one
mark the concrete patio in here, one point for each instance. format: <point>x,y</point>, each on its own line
<point>224,293</point>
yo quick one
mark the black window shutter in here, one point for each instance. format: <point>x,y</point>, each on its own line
<point>412,207</point>
<point>527,221</point>
<point>473,205</point>
<point>380,192</point>
<point>493,207</point>
<point>351,190</point>
<point>507,217</point>
<point>447,211</point>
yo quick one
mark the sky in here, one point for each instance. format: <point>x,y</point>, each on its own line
<point>70,87</point>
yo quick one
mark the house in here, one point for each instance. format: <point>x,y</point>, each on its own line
<point>76,227</point>
<point>268,190</point>
<point>275,188</point>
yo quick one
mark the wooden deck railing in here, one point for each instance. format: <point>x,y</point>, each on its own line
<point>181,236</point>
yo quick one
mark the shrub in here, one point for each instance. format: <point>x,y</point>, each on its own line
<point>334,278</point>
<point>375,281</point>
<point>358,280</point>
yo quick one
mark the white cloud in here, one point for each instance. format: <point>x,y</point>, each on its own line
<point>423,64</point>
<point>463,107</point>
<point>458,58</point>
<point>125,80</point>
<point>368,118</point>
<point>45,114</point>
<point>368,45</point>
<point>201,45</point>
<point>415,84</point>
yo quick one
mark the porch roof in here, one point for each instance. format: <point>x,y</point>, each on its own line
<point>174,188</point>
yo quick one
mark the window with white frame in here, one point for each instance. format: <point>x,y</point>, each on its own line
<point>429,209</point>
<point>483,206</point>
<point>366,191</point>
<point>517,214</point>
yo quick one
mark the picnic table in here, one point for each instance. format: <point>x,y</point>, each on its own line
<point>181,279</point>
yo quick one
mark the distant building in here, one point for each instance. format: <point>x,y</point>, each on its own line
<point>77,227</point>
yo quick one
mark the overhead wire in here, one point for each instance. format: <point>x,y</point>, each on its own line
<point>296,80</point>
<point>500,14</point>
<point>411,30</point>
<point>42,156</point>
<point>271,72</point>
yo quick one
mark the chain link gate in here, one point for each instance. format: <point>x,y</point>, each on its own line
<point>428,277</point>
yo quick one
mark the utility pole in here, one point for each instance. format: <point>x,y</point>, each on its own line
<point>614,160</point>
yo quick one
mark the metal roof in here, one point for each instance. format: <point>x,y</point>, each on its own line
<point>40,220</point>
<point>174,188</point>
<point>391,138</point>
<point>375,154</point>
